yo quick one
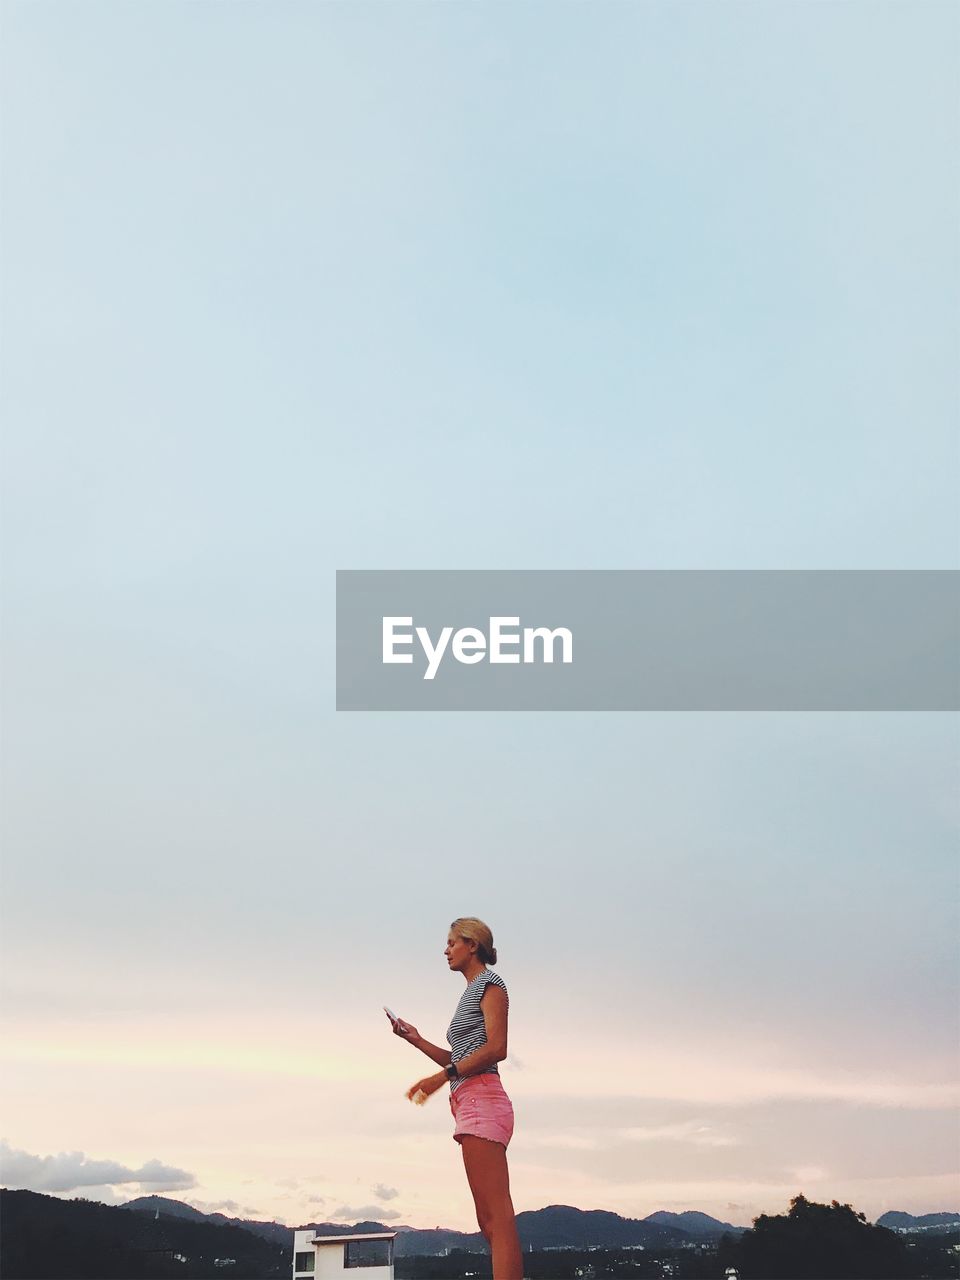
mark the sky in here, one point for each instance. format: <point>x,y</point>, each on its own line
<point>296,287</point>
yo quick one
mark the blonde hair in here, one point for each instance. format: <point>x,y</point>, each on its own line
<point>470,929</point>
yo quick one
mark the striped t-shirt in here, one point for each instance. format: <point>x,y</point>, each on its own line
<point>467,1031</point>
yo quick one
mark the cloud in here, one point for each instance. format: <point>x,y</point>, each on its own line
<point>700,1135</point>
<point>807,1172</point>
<point>72,1169</point>
<point>224,1206</point>
<point>743,1075</point>
<point>566,1141</point>
<point>385,1193</point>
<point>363,1213</point>
<point>316,1199</point>
<point>101,1195</point>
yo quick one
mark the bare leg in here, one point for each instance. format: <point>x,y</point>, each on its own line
<point>486,1164</point>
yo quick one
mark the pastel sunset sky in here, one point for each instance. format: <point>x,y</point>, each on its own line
<point>292,287</point>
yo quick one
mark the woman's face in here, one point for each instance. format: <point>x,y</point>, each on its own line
<point>458,952</point>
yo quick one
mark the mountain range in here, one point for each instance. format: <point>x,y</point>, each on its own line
<point>895,1221</point>
<point>555,1226</point>
<point>76,1239</point>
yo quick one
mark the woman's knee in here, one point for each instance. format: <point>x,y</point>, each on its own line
<point>499,1213</point>
<point>494,1214</point>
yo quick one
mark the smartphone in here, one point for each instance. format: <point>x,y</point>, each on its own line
<point>394,1019</point>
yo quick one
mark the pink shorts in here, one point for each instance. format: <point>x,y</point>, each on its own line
<point>481,1109</point>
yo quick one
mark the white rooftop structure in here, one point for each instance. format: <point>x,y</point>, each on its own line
<point>346,1257</point>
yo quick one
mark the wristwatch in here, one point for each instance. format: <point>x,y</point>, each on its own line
<point>451,1070</point>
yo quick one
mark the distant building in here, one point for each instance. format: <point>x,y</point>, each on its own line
<point>347,1257</point>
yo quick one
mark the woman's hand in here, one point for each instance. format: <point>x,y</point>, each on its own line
<point>405,1031</point>
<point>428,1085</point>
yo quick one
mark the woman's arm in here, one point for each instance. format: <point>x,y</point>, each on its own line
<point>493,1004</point>
<point>440,1056</point>
<point>406,1032</point>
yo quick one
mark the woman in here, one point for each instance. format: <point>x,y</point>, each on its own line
<point>482,1112</point>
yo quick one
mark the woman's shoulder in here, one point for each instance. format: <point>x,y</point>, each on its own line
<point>488,977</point>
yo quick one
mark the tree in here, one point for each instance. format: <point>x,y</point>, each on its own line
<point>820,1242</point>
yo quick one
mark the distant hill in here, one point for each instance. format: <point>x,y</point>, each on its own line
<point>699,1225</point>
<point>555,1226</point>
<point>273,1231</point>
<point>46,1238</point>
<point>896,1221</point>
<point>143,1237</point>
<point>173,1208</point>
<point>276,1232</point>
<point>563,1225</point>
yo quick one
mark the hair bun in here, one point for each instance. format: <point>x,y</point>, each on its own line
<point>473,930</point>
